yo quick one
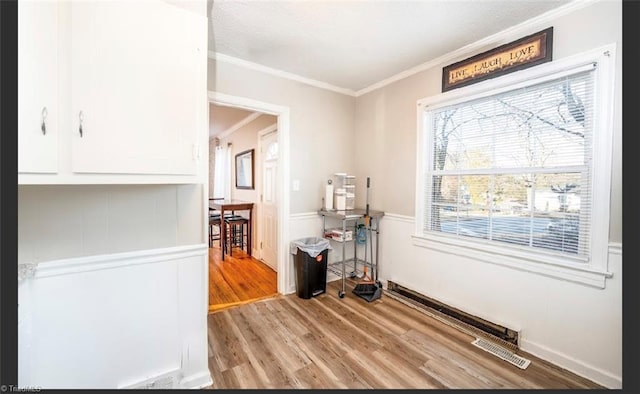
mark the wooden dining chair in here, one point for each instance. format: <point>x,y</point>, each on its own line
<point>237,233</point>
<point>214,222</point>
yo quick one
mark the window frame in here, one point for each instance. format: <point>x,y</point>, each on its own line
<point>595,270</point>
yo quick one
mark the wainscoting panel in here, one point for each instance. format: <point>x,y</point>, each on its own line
<point>115,321</point>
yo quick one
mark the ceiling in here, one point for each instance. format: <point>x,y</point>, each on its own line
<point>223,119</point>
<point>355,44</point>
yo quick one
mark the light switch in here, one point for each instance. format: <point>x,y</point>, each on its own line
<point>295,185</point>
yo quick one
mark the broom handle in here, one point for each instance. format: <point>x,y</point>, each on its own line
<point>367,220</point>
<point>367,209</point>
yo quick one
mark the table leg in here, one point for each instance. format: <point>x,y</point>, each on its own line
<point>249,232</point>
<point>223,232</point>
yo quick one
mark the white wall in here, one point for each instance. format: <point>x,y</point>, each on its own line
<point>321,126</point>
<point>64,221</point>
<point>573,325</point>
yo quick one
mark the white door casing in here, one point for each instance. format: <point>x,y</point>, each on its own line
<point>268,216</point>
<point>285,269</point>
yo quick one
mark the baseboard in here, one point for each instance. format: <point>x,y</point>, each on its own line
<point>166,380</point>
<point>570,364</point>
<point>172,380</point>
<point>198,380</point>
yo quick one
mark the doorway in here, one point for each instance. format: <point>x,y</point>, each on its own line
<point>270,197</point>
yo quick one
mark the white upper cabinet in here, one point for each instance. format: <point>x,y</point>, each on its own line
<point>133,94</point>
<point>135,86</point>
<point>37,87</point>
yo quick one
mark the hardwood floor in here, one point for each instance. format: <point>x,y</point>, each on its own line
<point>330,343</point>
<point>237,280</point>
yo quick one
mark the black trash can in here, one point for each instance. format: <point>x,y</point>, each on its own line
<point>311,266</point>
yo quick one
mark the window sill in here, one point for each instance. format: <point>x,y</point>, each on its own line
<point>552,266</point>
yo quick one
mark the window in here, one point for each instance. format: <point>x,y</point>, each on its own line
<point>222,172</point>
<point>520,167</point>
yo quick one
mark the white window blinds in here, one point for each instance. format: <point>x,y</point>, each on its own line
<point>514,167</point>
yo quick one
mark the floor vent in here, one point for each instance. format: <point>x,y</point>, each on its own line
<point>502,353</point>
<point>463,321</point>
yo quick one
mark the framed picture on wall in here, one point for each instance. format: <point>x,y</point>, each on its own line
<point>244,170</point>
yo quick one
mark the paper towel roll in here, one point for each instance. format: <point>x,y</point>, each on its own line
<point>328,197</point>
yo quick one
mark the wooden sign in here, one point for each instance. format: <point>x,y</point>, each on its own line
<point>517,55</point>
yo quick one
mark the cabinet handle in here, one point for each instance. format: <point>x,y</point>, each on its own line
<point>43,126</point>
<point>81,117</point>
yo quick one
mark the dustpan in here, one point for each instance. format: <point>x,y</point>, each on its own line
<point>368,291</point>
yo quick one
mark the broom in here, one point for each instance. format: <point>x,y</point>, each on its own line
<point>367,288</point>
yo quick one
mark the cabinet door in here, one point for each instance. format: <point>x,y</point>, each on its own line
<point>138,86</point>
<point>37,87</point>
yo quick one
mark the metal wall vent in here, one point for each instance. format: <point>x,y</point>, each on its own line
<point>502,353</point>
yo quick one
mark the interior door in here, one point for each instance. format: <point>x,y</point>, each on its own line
<point>269,209</point>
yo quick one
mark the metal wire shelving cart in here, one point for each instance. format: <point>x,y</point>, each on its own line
<point>349,221</point>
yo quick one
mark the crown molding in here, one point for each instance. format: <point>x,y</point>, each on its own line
<point>279,73</point>
<point>237,126</point>
<point>497,39</point>
<point>268,129</point>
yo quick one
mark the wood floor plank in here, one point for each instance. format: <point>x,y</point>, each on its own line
<point>370,311</point>
<point>277,339</point>
<point>328,362</point>
<point>276,374</point>
<point>330,343</point>
<point>443,332</point>
<point>359,364</point>
<point>216,375</point>
<point>335,344</point>
<point>312,376</point>
<point>341,327</point>
<point>224,344</point>
<point>411,376</point>
<point>457,357</point>
<point>237,280</point>
<point>315,345</point>
<point>246,377</point>
<point>244,345</point>
<point>280,312</point>
<point>505,374</point>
